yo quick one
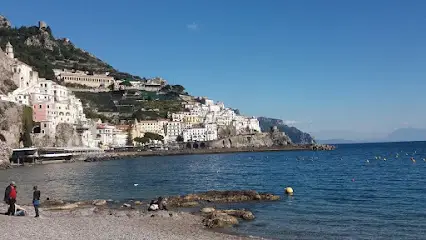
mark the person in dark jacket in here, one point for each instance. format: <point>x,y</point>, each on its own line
<point>36,200</point>
<point>10,198</point>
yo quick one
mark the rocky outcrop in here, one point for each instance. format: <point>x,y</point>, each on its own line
<point>254,140</point>
<point>220,197</point>
<point>4,23</point>
<point>66,136</point>
<point>296,136</point>
<point>224,218</point>
<point>8,81</point>
<point>42,40</point>
<point>10,129</point>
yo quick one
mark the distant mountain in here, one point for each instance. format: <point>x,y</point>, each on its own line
<point>295,134</point>
<point>335,141</point>
<point>407,134</point>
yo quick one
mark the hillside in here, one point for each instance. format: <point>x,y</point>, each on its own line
<point>295,134</point>
<point>37,47</point>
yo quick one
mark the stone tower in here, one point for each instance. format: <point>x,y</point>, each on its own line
<point>42,25</point>
<point>9,50</point>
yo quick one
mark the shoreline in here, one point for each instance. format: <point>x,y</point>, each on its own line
<point>103,223</point>
<point>128,154</point>
<point>98,219</point>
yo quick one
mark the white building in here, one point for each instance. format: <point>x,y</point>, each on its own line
<point>194,135</point>
<point>173,130</point>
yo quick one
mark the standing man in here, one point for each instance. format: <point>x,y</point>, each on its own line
<point>10,198</point>
<point>36,200</point>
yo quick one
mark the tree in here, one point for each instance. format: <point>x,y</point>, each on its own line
<point>141,140</point>
<point>126,83</point>
<point>178,88</point>
<point>129,141</point>
<point>27,126</point>
<point>111,87</point>
<point>153,136</point>
<point>179,138</point>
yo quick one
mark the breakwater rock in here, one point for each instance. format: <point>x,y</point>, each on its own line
<point>224,218</point>
<point>220,197</point>
<point>322,147</point>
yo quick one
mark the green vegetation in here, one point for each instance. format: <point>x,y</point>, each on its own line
<point>39,48</point>
<point>148,137</point>
<point>130,105</point>
<point>27,126</point>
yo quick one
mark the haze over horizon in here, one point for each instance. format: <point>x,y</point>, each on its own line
<point>356,68</point>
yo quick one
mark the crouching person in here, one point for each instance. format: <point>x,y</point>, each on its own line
<point>159,204</point>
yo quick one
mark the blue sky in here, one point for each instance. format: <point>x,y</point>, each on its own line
<point>354,67</point>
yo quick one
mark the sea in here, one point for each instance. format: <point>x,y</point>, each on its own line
<point>358,191</point>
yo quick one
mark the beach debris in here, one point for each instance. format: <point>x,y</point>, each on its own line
<point>126,205</point>
<point>99,202</point>
<point>289,191</point>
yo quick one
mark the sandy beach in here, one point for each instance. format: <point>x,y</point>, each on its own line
<point>103,223</point>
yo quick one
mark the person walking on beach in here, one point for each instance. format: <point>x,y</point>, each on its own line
<point>10,198</point>
<point>36,200</point>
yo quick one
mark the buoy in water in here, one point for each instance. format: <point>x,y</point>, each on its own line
<point>289,190</point>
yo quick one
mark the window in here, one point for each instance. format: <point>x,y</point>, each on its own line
<point>48,106</point>
<point>39,106</point>
<point>42,131</point>
<point>45,125</point>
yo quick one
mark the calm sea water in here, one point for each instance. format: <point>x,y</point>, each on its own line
<point>338,194</point>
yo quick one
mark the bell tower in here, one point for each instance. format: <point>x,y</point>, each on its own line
<point>9,50</point>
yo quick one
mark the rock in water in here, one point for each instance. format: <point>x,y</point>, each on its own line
<point>220,220</point>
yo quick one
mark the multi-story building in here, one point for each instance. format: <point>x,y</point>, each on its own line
<point>173,130</point>
<point>194,134</point>
<point>84,78</point>
<point>139,128</point>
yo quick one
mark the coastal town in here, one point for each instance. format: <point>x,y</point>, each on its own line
<point>54,103</point>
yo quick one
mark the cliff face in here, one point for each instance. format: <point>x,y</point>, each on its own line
<point>8,81</point>
<point>252,140</point>
<point>10,129</point>
<point>296,136</point>
<point>66,136</point>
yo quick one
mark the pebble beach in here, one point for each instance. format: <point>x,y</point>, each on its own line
<point>102,223</point>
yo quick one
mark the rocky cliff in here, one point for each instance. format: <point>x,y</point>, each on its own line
<point>255,140</point>
<point>37,47</point>
<point>66,136</point>
<point>8,81</point>
<point>296,136</point>
<point>10,129</point>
